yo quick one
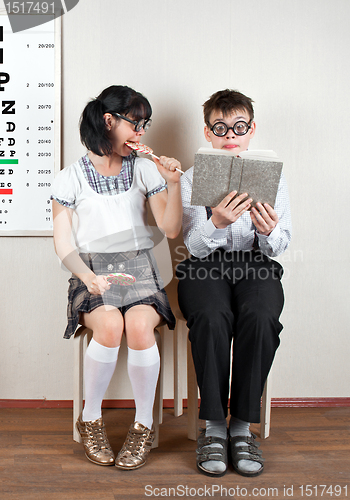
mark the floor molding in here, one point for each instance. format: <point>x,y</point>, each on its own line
<point>169,403</point>
<point>310,402</point>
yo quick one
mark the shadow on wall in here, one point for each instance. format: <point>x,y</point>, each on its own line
<point>178,253</point>
<point>171,135</point>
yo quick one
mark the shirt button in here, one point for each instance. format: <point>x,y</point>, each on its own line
<point>110,267</point>
<point>121,267</point>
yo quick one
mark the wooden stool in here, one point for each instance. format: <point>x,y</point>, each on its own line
<point>82,338</point>
<point>181,343</point>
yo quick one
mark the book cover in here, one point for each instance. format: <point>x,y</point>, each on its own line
<point>218,172</point>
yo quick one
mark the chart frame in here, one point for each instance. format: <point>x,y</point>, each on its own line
<point>57,120</point>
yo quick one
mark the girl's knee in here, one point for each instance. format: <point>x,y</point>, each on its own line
<point>136,322</point>
<point>108,330</point>
<point>139,333</point>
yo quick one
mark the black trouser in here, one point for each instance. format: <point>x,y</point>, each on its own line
<point>225,295</point>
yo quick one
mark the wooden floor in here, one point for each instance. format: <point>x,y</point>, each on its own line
<point>40,461</point>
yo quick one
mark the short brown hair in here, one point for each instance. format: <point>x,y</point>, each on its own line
<point>227,101</point>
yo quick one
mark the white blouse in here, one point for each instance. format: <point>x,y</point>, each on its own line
<point>115,223</point>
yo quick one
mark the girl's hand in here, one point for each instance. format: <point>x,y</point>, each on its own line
<point>96,285</point>
<point>264,218</point>
<point>166,167</point>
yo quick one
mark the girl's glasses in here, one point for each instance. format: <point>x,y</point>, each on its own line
<point>143,123</point>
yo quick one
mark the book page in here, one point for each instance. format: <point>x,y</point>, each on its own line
<point>260,180</point>
<point>211,179</point>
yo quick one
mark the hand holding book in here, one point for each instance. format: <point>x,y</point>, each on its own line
<point>230,209</point>
<point>264,218</point>
<point>233,206</point>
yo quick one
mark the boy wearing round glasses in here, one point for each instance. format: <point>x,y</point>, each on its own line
<point>230,289</point>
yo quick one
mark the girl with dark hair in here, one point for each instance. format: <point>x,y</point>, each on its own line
<point>101,200</point>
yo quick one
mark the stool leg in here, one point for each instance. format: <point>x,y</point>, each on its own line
<point>192,397</point>
<point>81,339</point>
<point>78,359</point>
<point>161,347</point>
<point>180,334</point>
<point>265,411</point>
<point>158,400</point>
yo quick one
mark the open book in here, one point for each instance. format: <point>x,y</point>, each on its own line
<point>218,172</point>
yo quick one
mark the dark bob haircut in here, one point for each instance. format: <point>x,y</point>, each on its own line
<point>227,101</point>
<point>115,99</point>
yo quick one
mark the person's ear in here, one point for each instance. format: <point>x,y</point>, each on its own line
<point>252,129</point>
<point>207,133</point>
<point>108,118</point>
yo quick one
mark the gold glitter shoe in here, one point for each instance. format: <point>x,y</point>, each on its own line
<point>136,447</point>
<point>95,441</point>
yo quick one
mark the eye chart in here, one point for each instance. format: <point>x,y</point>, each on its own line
<point>30,87</point>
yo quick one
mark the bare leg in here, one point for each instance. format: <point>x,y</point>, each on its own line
<point>140,322</point>
<point>106,323</point>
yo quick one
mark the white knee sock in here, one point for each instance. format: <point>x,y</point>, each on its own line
<point>99,366</point>
<point>143,370</point>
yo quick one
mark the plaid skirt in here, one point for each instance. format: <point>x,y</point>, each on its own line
<point>147,289</point>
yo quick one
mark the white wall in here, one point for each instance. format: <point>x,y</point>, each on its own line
<point>292,57</point>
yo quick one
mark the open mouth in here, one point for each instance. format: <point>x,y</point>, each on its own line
<point>139,147</point>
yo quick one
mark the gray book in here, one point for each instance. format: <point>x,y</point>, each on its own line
<point>218,172</point>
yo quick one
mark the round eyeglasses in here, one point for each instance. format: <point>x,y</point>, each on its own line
<point>239,128</point>
<point>143,123</point>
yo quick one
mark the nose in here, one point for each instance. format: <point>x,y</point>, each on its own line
<point>141,132</point>
<point>230,133</point>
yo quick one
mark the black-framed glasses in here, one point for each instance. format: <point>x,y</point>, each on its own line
<point>220,129</point>
<point>143,123</point>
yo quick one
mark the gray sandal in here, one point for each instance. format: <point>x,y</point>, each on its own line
<point>206,452</point>
<point>248,451</point>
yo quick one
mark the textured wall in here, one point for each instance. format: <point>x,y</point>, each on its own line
<point>290,56</point>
